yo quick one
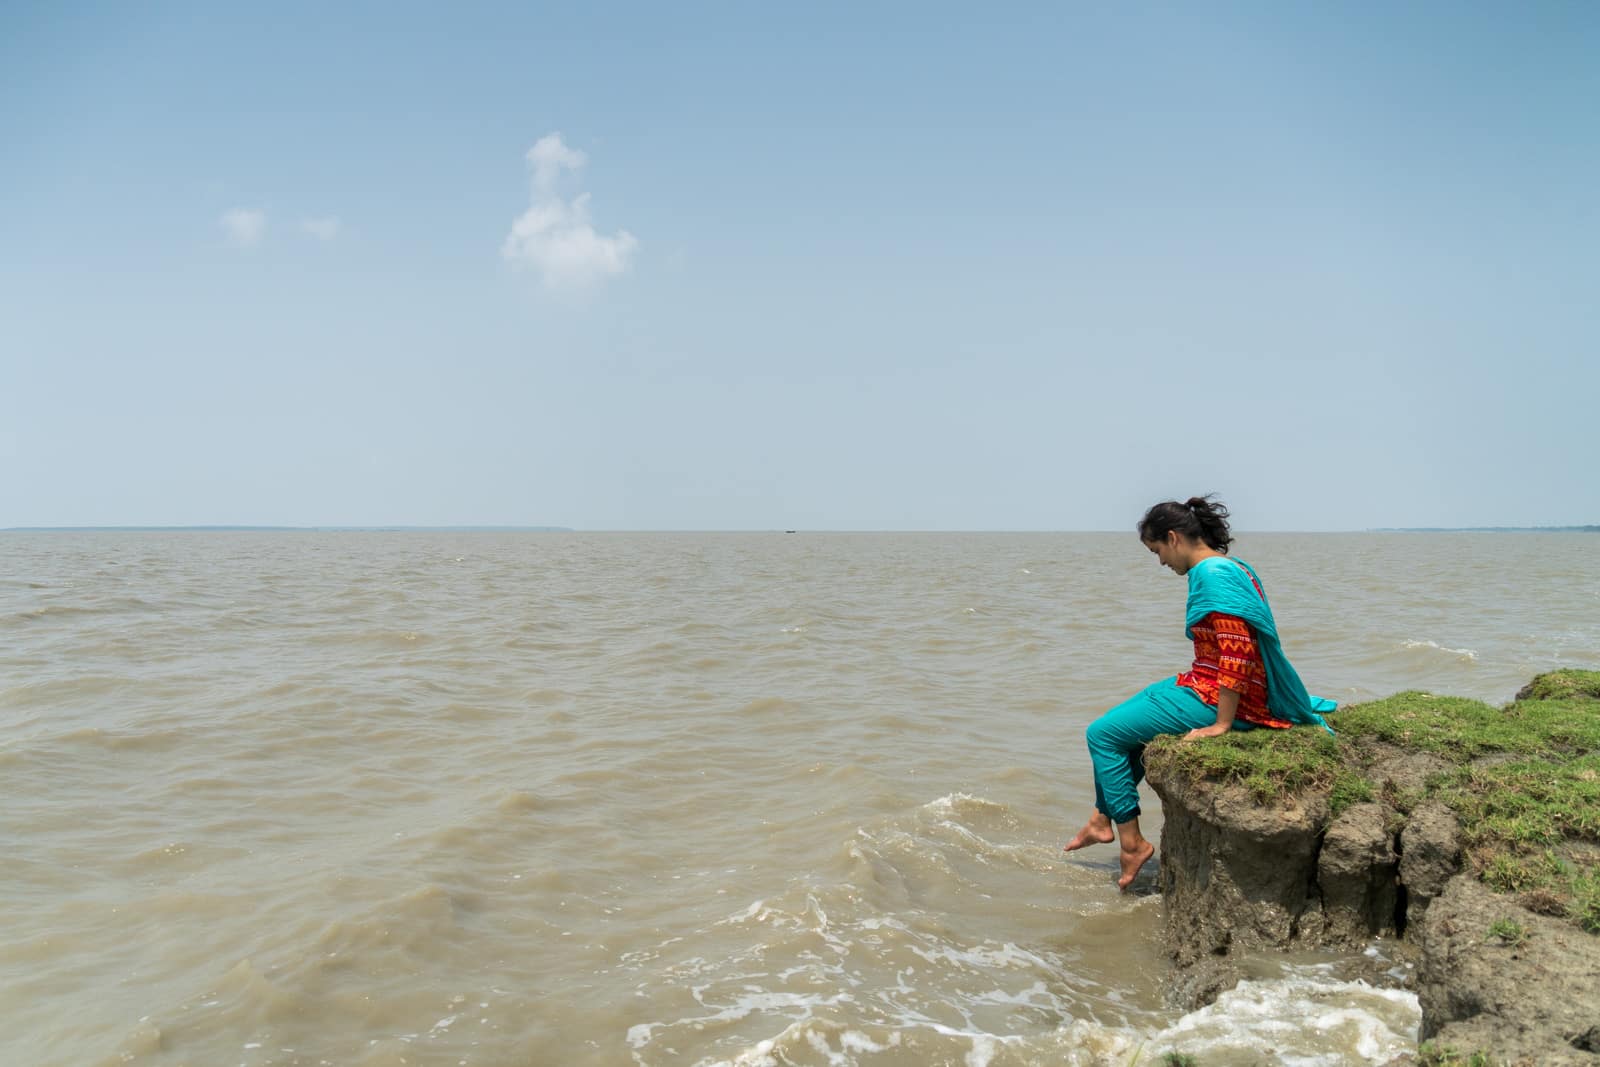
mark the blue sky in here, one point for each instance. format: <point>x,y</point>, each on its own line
<point>743,266</point>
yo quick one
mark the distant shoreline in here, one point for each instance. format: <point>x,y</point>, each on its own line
<point>569,529</point>
<point>288,529</point>
<point>1485,529</point>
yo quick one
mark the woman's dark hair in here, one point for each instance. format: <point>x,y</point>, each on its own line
<point>1199,518</point>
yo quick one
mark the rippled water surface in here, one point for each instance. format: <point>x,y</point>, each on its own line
<point>498,799</point>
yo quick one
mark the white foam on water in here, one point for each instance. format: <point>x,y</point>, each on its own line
<point>1301,1021</point>
<point>1034,996</point>
<point>946,805</point>
<point>1077,1044</point>
<point>983,1050</point>
<point>983,957</point>
<point>829,1021</point>
<point>814,908</point>
<point>948,812</point>
<point>1306,1018</point>
<point>757,911</point>
<point>855,1041</point>
<point>860,989</point>
<point>1466,655</point>
<point>850,1041</point>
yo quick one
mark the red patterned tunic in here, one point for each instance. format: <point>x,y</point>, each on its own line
<point>1225,656</point>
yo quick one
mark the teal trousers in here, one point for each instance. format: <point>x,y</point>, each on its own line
<point>1117,740</point>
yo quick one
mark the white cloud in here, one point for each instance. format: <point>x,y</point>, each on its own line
<point>244,226</point>
<point>554,236</point>
<point>548,157</point>
<point>323,229</point>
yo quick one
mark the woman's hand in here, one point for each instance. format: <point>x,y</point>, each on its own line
<point>1227,707</point>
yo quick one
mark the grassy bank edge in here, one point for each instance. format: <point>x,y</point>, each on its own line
<point>1523,779</point>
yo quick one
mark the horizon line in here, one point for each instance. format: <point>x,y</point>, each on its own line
<point>513,528</point>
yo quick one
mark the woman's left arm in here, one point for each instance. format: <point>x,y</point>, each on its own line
<point>1227,708</point>
<point>1236,658</point>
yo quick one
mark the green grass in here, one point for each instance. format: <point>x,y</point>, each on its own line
<point>1270,763</point>
<point>1523,780</point>
<point>1527,802</point>
<point>1432,1054</point>
<point>1460,730</point>
<point>1348,788</point>
<point>1565,685</point>
<point>1512,933</point>
<point>1585,906</point>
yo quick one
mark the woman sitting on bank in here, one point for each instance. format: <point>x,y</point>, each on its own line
<point>1240,678</point>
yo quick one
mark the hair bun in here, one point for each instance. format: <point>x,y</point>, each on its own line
<point>1202,518</point>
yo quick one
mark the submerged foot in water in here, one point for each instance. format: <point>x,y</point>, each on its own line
<point>1132,860</point>
<point>1097,831</point>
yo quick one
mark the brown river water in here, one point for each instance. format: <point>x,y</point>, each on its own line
<point>494,799</point>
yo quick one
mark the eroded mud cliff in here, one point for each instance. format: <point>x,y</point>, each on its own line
<point>1471,832</point>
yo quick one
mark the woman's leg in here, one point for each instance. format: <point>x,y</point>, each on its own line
<point>1116,747</point>
<point>1097,831</point>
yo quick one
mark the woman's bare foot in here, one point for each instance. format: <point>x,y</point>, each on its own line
<point>1133,858</point>
<point>1097,831</point>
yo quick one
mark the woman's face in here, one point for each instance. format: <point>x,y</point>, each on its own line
<point>1175,551</point>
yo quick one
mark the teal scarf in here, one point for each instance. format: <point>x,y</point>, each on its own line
<point>1219,583</point>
